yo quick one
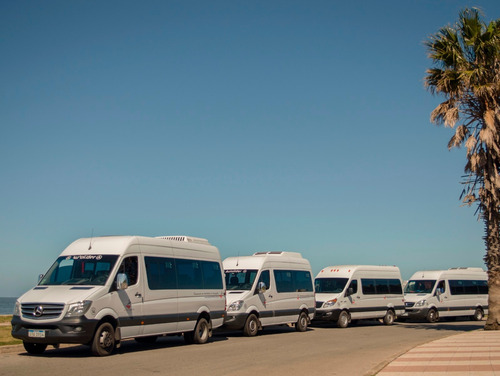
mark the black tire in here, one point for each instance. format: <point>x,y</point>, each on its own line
<point>201,332</point>
<point>432,315</point>
<point>389,317</point>
<point>104,342</point>
<point>34,348</point>
<point>251,327</point>
<point>146,340</point>
<point>301,324</point>
<point>478,315</point>
<point>344,318</point>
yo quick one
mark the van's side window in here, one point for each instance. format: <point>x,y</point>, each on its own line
<point>189,274</point>
<point>381,286</point>
<point>264,277</point>
<point>468,287</point>
<point>354,286</point>
<point>441,287</point>
<point>293,281</point>
<point>160,273</point>
<point>212,276</point>
<point>130,266</point>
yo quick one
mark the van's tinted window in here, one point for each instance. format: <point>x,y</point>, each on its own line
<point>330,285</point>
<point>354,286</point>
<point>420,286</point>
<point>80,270</point>
<point>130,266</point>
<point>189,274</point>
<point>165,273</point>
<point>293,280</point>
<point>468,287</point>
<point>382,286</point>
<point>265,277</point>
<point>160,273</point>
<point>240,279</point>
<point>212,276</point>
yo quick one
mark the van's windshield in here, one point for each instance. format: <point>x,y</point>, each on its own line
<point>420,286</point>
<point>80,270</point>
<point>330,285</point>
<point>241,279</point>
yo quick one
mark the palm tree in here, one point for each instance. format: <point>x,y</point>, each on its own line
<point>466,72</point>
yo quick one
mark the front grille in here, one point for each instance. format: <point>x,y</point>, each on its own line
<point>319,304</point>
<point>409,304</point>
<point>41,311</point>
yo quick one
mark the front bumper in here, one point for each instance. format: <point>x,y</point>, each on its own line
<point>78,330</point>
<point>416,313</point>
<point>235,320</point>
<point>327,314</point>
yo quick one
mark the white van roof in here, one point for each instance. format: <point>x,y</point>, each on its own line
<point>116,245</point>
<point>272,259</point>
<point>345,271</point>
<point>462,272</point>
<point>184,238</point>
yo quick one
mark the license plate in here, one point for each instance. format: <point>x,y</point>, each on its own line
<point>36,333</point>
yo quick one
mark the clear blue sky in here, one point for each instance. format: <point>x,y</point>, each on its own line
<point>259,125</point>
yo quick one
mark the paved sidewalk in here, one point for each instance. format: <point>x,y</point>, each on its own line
<point>473,353</point>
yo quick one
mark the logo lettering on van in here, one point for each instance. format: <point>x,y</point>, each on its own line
<point>85,257</point>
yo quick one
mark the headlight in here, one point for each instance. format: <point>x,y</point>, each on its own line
<point>421,303</point>
<point>235,306</point>
<point>329,303</point>
<point>17,309</point>
<point>78,309</point>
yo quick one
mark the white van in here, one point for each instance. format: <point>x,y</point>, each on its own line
<point>268,288</point>
<point>447,293</point>
<point>352,292</point>
<point>105,289</point>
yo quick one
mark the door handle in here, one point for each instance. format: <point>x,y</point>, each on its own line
<point>270,296</point>
<point>138,295</point>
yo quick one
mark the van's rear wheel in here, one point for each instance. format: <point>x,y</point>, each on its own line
<point>301,324</point>
<point>389,317</point>
<point>34,348</point>
<point>251,327</point>
<point>432,315</point>
<point>343,321</point>
<point>478,315</point>
<point>103,343</point>
<point>200,334</point>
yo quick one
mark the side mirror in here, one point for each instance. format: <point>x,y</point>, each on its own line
<point>121,281</point>
<point>261,287</point>
<point>349,292</point>
<point>438,292</point>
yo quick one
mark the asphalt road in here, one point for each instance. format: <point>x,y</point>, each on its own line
<point>358,350</point>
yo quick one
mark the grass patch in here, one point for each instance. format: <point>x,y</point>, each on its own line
<point>5,336</point>
<point>5,319</point>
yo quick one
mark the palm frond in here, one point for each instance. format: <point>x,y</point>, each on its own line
<point>459,137</point>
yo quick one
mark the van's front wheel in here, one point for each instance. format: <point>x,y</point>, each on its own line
<point>301,325</point>
<point>103,343</point>
<point>34,348</point>
<point>343,321</point>
<point>432,315</point>
<point>251,327</point>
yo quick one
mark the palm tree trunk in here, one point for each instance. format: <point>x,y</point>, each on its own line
<point>492,259</point>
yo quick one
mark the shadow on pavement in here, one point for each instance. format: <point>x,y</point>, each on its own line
<point>127,346</point>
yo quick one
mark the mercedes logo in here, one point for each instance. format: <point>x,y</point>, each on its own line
<point>38,311</point>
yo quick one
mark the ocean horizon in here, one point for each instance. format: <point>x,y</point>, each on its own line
<point>7,305</point>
